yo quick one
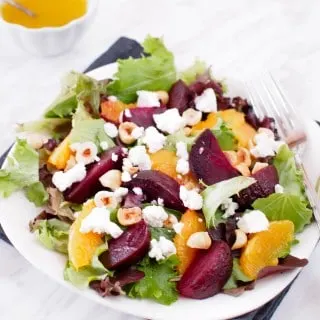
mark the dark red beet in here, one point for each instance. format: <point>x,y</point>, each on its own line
<point>200,85</point>
<point>143,117</point>
<point>208,272</point>
<point>208,162</point>
<point>132,200</point>
<point>266,179</point>
<point>180,96</point>
<point>129,248</point>
<point>81,191</point>
<point>156,184</point>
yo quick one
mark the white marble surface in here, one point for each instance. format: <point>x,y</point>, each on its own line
<point>238,38</point>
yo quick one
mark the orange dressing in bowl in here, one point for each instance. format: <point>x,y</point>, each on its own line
<point>49,13</point>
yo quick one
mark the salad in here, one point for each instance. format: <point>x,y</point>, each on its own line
<point>156,184</point>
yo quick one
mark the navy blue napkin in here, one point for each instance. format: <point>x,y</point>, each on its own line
<point>124,48</point>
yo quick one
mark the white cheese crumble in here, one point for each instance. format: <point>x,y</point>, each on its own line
<point>98,221</point>
<point>278,188</point>
<point>153,139</point>
<point>114,157</point>
<point>127,113</point>
<point>192,117</point>
<point>182,151</point>
<point>160,202</point>
<point>86,152</point>
<point>120,192</point>
<point>125,176</point>
<point>161,249</point>
<point>137,132</point>
<point>253,221</point>
<point>207,101</point>
<point>105,198</point>
<point>137,191</point>
<point>229,207</point>
<point>147,99</point>
<point>154,216</point>
<point>183,166</point>
<point>104,145</point>
<point>110,129</point>
<point>64,180</point>
<point>265,144</point>
<point>177,227</point>
<point>113,98</point>
<point>169,121</point>
<point>138,157</point>
<point>190,198</point>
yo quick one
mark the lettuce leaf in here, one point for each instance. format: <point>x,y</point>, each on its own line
<point>157,284</point>
<point>156,233</point>
<point>282,206</point>
<point>76,87</point>
<point>226,138</point>
<point>53,234</point>
<point>83,276</point>
<point>214,195</point>
<point>172,139</point>
<point>20,170</point>
<point>236,275</point>
<point>90,130</point>
<point>153,72</point>
<point>37,194</point>
<point>190,74</point>
<point>290,178</point>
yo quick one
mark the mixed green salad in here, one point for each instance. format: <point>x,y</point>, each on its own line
<point>156,183</point>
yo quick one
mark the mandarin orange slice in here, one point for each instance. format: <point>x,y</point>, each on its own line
<point>164,161</point>
<point>61,154</point>
<point>264,248</point>
<point>111,110</point>
<point>191,223</point>
<point>82,246</point>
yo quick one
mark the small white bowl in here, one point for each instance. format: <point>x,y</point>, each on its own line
<point>51,41</point>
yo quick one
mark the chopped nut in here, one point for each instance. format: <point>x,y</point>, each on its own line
<point>258,166</point>
<point>187,131</point>
<point>129,216</point>
<point>243,169</point>
<point>199,240</point>
<point>192,117</point>
<point>172,219</point>
<point>241,240</point>
<point>133,170</point>
<point>36,141</point>
<point>105,199</point>
<point>232,157</point>
<point>111,179</point>
<point>243,156</point>
<point>125,132</point>
<point>163,96</point>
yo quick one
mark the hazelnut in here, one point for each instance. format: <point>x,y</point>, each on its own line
<point>199,240</point>
<point>111,179</point>
<point>129,216</point>
<point>241,240</point>
<point>125,132</point>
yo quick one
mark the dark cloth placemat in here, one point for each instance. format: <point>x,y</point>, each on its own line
<point>124,48</point>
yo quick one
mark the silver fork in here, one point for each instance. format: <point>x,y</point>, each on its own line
<point>270,101</point>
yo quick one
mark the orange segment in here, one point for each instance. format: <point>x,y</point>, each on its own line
<point>82,246</point>
<point>192,223</point>
<point>165,161</point>
<point>61,154</point>
<point>111,110</point>
<point>209,123</point>
<point>264,248</point>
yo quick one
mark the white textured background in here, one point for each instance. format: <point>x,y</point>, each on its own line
<point>238,38</point>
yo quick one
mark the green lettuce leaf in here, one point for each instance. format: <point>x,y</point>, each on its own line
<point>214,195</point>
<point>156,233</point>
<point>83,276</point>
<point>226,138</point>
<point>237,275</point>
<point>190,74</point>
<point>90,130</point>
<point>37,194</point>
<point>76,87</point>
<point>53,234</point>
<point>157,284</point>
<point>282,206</point>
<point>290,178</point>
<point>153,72</point>
<point>178,136</point>
<point>20,170</point>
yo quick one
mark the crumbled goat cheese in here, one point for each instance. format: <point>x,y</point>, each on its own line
<point>127,113</point>
<point>98,221</point>
<point>154,216</point>
<point>253,221</point>
<point>137,191</point>
<point>113,98</point>
<point>64,180</point>
<point>229,207</point>
<point>147,99</point>
<point>190,198</point>
<point>207,101</point>
<point>183,166</point>
<point>182,151</point>
<point>104,145</point>
<point>169,121</point>
<point>137,132</point>
<point>110,129</point>
<point>278,188</point>
<point>177,227</point>
<point>153,139</point>
<point>114,157</point>
<point>125,176</point>
<point>161,249</point>
<point>139,157</point>
<point>120,192</point>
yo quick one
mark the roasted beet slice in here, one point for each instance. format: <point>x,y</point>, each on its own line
<point>180,96</point>
<point>129,248</point>
<point>81,191</point>
<point>132,200</point>
<point>266,179</point>
<point>208,162</point>
<point>208,272</point>
<point>142,117</point>
<point>156,184</point>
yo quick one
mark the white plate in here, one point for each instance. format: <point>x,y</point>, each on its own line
<point>16,212</point>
